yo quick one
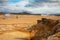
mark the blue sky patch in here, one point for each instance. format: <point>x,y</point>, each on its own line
<point>14,1</point>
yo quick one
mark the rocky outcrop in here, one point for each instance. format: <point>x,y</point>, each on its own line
<point>54,37</point>
<point>45,28</point>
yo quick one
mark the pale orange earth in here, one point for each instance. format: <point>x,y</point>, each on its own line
<point>22,21</point>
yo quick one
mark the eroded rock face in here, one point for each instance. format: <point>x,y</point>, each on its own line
<point>54,36</point>
<point>45,28</point>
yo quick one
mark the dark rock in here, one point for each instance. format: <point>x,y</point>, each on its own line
<point>45,28</point>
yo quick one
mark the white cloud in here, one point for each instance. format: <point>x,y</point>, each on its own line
<point>19,6</point>
<point>44,7</point>
<point>51,4</point>
<point>45,10</point>
<point>3,2</point>
<point>55,0</point>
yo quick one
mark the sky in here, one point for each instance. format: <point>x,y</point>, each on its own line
<point>31,6</point>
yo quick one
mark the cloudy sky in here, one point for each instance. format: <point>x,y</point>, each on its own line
<point>32,6</point>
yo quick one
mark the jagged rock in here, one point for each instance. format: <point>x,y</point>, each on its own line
<point>54,37</point>
<point>45,28</point>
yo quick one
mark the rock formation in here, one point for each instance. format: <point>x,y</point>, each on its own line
<point>45,28</point>
<point>56,36</point>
